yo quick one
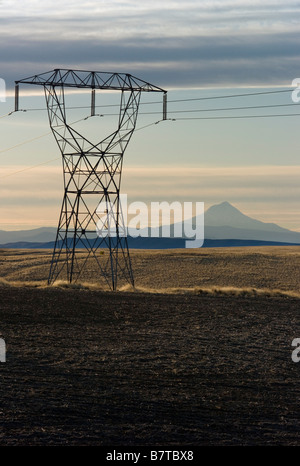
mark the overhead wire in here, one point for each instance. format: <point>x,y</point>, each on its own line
<point>35,138</point>
<point>230,108</point>
<point>57,158</point>
<point>204,110</point>
<point>227,96</point>
<point>169,119</point>
<point>25,142</point>
<point>248,107</point>
<point>248,94</point>
<point>234,95</point>
<point>237,117</point>
<point>6,115</point>
<point>186,111</point>
<point>29,168</point>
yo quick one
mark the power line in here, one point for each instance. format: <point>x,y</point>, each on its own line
<point>57,158</point>
<point>170,112</point>
<point>232,95</point>
<point>151,124</point>
<point>25,142</point>
<point>236,117</point>
<point>231,108</point>
<point>172,119</point>
<point>29,168</point>
<point>6,115</point>
<point>227,96</point>
<point>177,119</point>
<point>214,110</point>
<point>204,110</point>
<point>181,119</point>
<point>35,138</point>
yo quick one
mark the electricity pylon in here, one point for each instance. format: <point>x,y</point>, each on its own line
<point>92,176</point>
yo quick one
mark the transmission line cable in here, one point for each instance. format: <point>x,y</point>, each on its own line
<point>57,158</point>
<point>227,96</point>
<point>25,142</point>
<point>29,168</point>
<point>35,138</point>
<point>236,117</point>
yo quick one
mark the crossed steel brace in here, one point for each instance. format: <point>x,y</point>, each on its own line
<point>92,178</point>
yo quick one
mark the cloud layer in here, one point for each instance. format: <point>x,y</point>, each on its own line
<point>268,193</point>
<point>174,45</point>
<point>170,43</point>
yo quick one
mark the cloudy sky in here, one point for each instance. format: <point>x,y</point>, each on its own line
<point>193,49</point>
<point>179,43</point>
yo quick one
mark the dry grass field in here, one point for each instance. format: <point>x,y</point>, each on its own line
<point>199,354</point>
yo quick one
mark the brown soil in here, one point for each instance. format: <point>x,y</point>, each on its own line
<point>100,368</point>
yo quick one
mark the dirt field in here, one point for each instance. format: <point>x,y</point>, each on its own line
<point>91,367</point>
<point>258,267</point>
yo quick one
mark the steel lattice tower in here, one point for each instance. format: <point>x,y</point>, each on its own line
<point>92,176</point>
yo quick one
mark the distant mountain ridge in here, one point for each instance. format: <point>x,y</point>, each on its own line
<point>225,214</point>
<point>224,221</point>
<point>224,225</point>
<point>37,235</point>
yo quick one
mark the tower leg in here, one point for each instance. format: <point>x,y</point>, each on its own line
<point>92,176</point>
